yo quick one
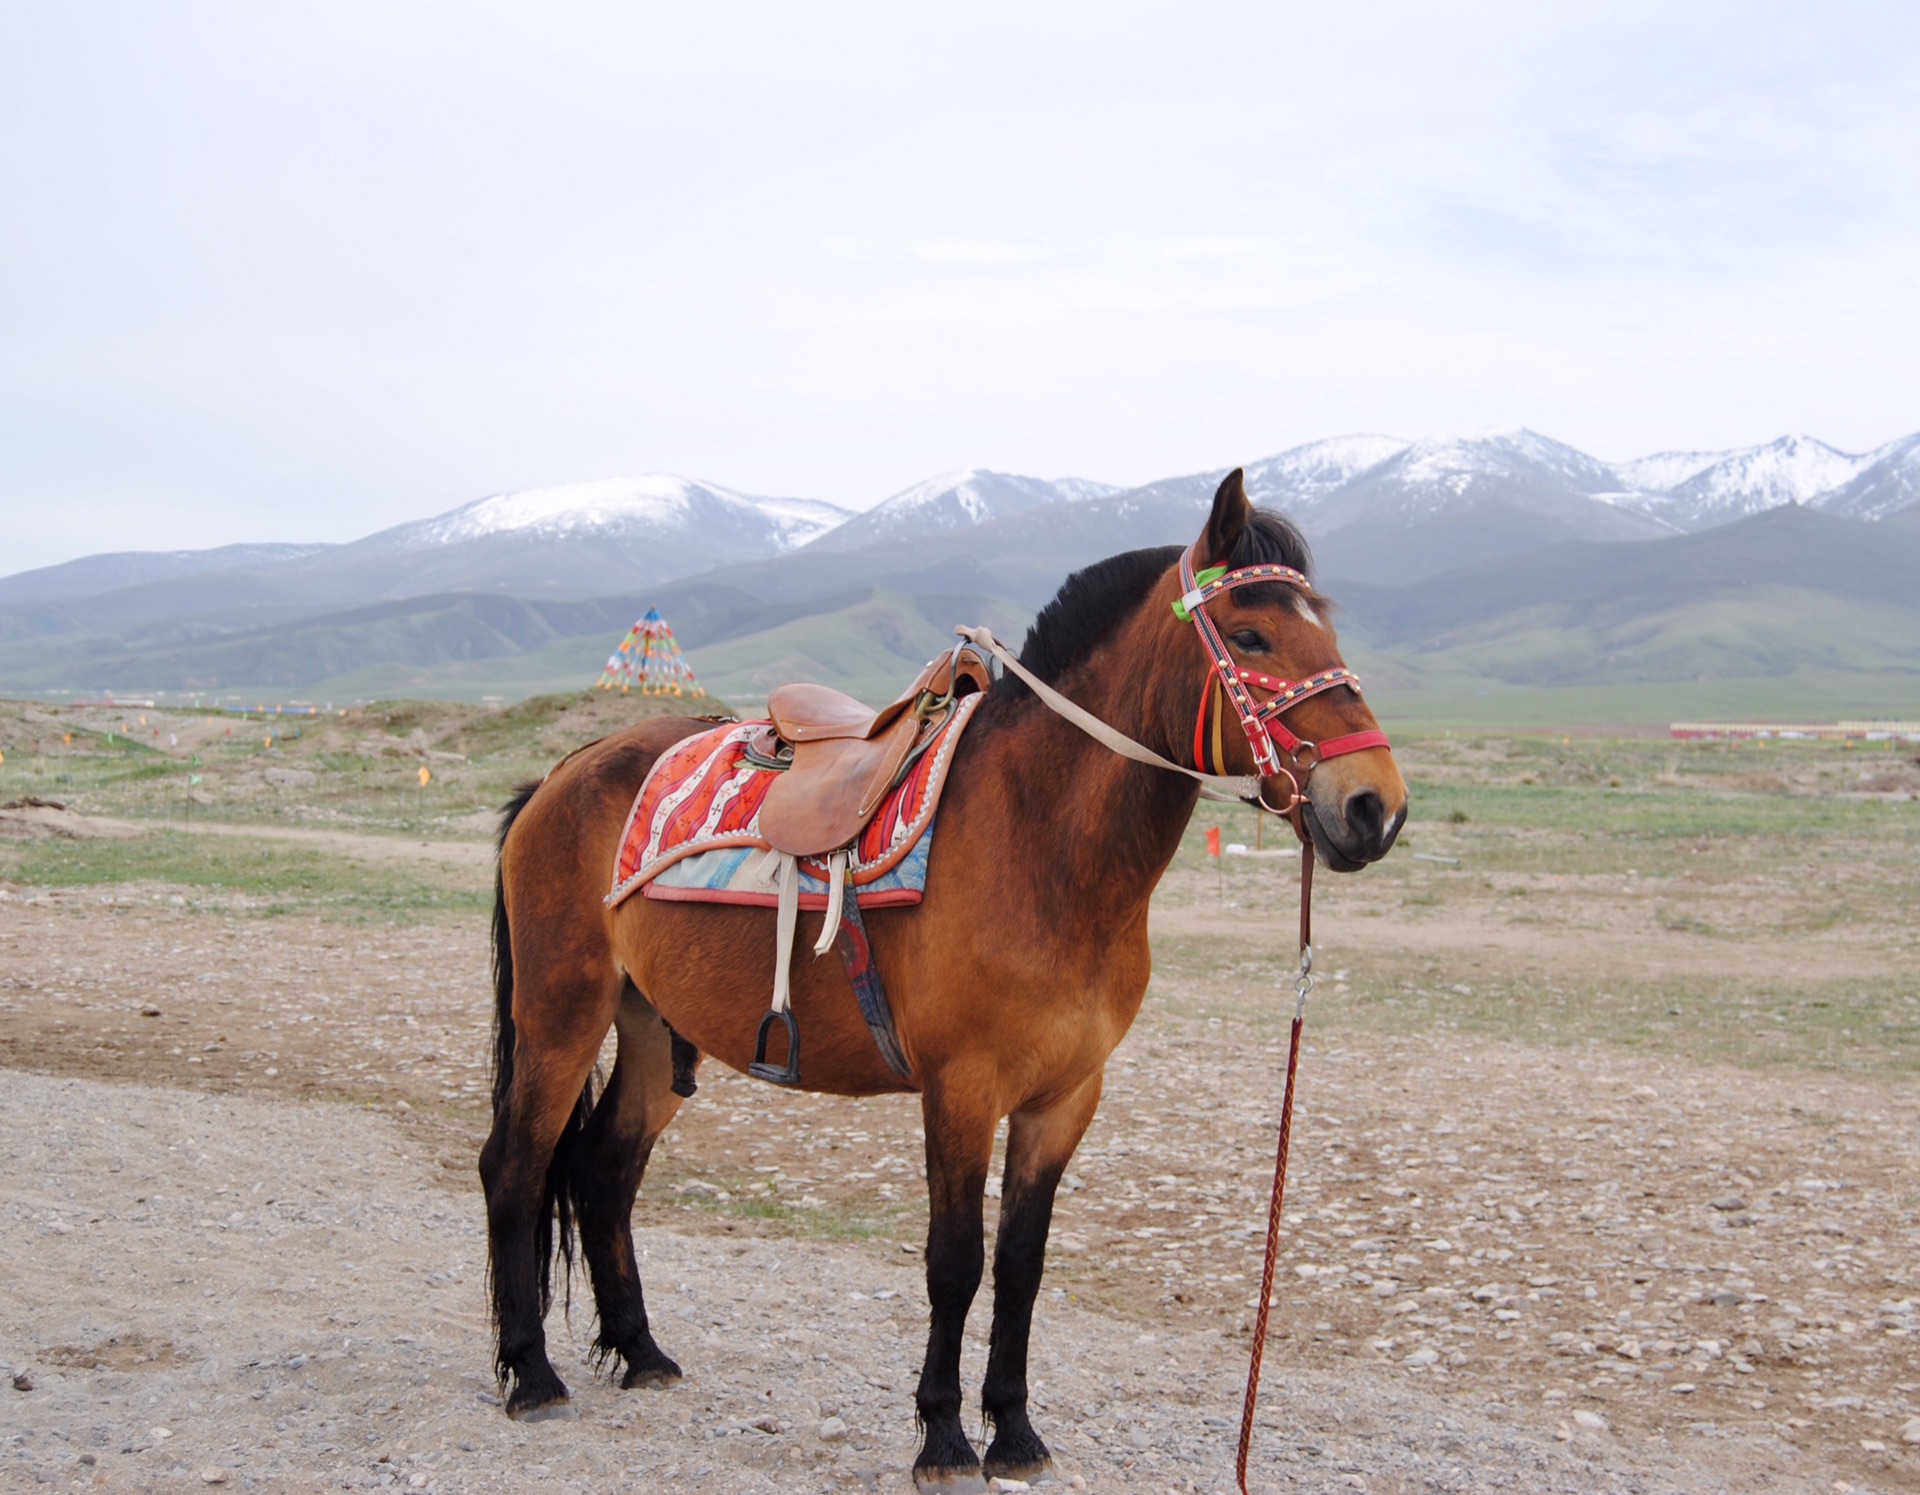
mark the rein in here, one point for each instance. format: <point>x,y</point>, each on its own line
<point>1271,740</point>
<point>1302,985</point>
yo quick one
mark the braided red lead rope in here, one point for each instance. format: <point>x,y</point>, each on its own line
<point>1279,1169</point>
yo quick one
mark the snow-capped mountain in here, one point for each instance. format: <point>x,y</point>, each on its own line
<point>1299,478</point>
<point>1887,484</point>
<point>957,500</point>
<point>1444,475</point>
<point>582,539</point>
<point>1791,470</point>
<point>657,501</point>
<point>1449,500</point>
<point>1663,470</point>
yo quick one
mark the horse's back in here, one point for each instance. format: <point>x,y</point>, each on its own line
<point>559,851</point>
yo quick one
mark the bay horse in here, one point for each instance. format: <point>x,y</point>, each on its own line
<point>1010,984</point>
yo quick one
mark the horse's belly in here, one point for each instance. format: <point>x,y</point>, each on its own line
<point>708,968</point>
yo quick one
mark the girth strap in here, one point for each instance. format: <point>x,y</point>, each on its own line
<point>856,954</point>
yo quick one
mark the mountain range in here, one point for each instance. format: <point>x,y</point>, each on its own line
<point>1470,556</point>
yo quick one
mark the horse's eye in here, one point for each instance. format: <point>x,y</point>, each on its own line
<point>1249,642</point>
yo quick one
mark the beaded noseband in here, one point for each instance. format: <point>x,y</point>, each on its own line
<point>1266,733</point>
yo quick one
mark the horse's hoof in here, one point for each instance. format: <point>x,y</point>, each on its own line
<point>561,1410</point>
<point>949,1482</point>
<point>1033,1471</point>
<point>1018,1454</point>
<point>661,1373</point>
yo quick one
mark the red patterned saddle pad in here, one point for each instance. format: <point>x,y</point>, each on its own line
<point>694,832</point>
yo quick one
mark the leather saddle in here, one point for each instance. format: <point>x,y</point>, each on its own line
<point>846,758</point>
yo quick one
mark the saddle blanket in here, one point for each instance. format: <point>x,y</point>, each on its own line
<point>693,834</point>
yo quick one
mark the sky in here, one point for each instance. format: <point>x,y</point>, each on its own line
<point>300,273</point>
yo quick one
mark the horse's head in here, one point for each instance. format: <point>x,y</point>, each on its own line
<point>1271,645</point>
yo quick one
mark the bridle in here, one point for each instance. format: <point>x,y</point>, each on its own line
<point>1278,752</point>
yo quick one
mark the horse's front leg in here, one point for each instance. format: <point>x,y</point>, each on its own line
<point>959,1149</point>
<point>1039,1143</point>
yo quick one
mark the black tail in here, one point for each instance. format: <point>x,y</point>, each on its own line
<point>503,955</point>
<point>557,1203</point>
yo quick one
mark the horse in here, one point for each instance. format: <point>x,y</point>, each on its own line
<point>1010,983</point>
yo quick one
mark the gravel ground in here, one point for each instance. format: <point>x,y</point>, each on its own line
<point>210,1289</point>
<point>1705,1257</point>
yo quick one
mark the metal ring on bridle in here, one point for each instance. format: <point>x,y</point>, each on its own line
<point>1293,803</point>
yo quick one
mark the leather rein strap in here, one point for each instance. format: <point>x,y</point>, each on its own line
<point>1228,788</point>
<point>1303,984</point>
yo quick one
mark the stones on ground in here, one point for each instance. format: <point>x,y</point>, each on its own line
<point>22,1381</point>
<point>1910,1430</point>
<point>1728,1203</point>
<point>1593,1422</point>
<point>213,1475</point>
<point>832,1430</point>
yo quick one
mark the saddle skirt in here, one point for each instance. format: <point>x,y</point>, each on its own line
<point>694,834</point>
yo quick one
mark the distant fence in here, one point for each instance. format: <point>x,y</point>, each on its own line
<point>271,710</point>
<point>1854,731</point>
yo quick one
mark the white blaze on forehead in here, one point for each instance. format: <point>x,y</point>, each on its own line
<point>1305,609</point>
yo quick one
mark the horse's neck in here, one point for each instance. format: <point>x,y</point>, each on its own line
<point>1102,829</point>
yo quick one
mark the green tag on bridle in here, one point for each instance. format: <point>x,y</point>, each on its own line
<point>1206,577</point>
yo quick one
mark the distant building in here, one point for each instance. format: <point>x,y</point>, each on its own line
<point>1855,731</point>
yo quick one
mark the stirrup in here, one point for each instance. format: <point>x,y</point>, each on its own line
<point>760,1069</point>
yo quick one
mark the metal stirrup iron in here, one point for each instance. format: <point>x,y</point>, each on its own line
<point>781,1011</point>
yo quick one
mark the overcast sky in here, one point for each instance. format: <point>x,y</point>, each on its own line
<point>267,274</point>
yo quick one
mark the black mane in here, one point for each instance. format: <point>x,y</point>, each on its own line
<point>1093,601</point>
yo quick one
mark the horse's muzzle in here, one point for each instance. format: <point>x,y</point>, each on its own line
<point>1357,830</point>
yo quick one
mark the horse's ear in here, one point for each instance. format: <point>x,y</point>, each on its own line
<point>1231,511</point>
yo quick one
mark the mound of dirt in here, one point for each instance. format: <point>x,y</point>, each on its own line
<point>34,819</point>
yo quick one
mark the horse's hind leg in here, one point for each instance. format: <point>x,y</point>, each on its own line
<point>553,1040</point>
<point>1039,1143</point>
<point>604,1174</point>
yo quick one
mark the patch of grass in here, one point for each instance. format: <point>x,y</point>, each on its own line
<point>871,1220</point>
<point>1869,1026</point>
<point>267,878</point>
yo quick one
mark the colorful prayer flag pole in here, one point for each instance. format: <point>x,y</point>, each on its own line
<point>649,660</point>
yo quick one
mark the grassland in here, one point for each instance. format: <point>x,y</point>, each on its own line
<point>1751,903</point>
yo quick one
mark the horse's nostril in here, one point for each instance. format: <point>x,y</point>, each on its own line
<point>1366,817</point>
